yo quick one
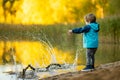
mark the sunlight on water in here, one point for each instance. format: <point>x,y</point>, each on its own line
<point>39,54</point>
<point>27,52</point>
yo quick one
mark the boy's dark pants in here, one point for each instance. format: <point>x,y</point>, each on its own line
<point>90,59</point>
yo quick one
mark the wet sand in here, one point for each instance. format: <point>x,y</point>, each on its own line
<point>109,71</point>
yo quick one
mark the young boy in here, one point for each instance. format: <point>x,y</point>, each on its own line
<point>90,39</point>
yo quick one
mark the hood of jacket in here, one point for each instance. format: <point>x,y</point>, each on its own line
<point>94,26</point>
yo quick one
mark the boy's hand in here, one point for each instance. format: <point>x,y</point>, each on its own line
<point>70,32</point>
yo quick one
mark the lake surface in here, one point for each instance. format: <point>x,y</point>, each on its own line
<point>107,52</point>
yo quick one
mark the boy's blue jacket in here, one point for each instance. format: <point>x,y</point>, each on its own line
<point>90,35</point>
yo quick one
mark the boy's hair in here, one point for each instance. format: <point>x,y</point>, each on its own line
<point>90,17</point>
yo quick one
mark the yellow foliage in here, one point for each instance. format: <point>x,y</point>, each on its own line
<point>46,11</point>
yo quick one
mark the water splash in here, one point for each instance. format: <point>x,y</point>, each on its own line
<point>49,47</point>
<point>75,60</point>
<point>52,68</point>
<point>14,61</point>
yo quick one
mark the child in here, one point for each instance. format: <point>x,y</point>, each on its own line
<point>90,39</point>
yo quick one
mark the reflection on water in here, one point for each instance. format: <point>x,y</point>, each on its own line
<point>35,53</point>
<point>108,52</point>
<point>40,55</point>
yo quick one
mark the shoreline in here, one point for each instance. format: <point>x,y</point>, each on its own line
<point>106,71</point>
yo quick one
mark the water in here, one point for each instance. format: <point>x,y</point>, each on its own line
<point>15,71</point>
<point>5,70</point>
<point>107,52</point>
<point>8,72</point>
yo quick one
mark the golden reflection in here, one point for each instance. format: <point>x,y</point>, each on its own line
<point>35,53</point>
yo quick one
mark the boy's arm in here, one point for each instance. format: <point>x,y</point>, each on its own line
<point>81,30</point>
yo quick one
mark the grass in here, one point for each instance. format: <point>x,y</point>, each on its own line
<point>110,30</point>
<point>57,34</point>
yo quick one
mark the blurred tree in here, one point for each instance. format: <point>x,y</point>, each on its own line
<point>55,11</point>
<point>9,8</point>
<point>103,4</point>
